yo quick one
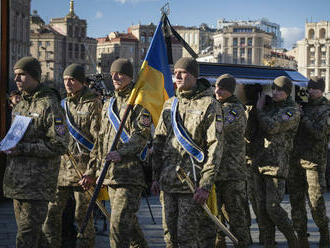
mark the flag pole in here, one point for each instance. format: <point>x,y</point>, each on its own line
<point>104,172</point>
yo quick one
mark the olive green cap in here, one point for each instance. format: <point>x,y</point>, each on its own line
<point>283,83</point>
<point>188,64</point>
<point>227,82</point>
<point>122,66</point>
<point>31,66</point>
<point>76,71</point>
<point>316,83</point>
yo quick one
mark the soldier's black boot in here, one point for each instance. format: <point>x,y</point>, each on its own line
<point>324,237</point>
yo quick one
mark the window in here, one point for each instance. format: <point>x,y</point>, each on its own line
<point>242,52</point>
<point>82,51</point>
<point>242,41</point>
<point>249,41</point>
<point>76,50</point>
<point>311,34</point>
<point>322,33</point>
<point>70,50</point>
<point>235,42</point>
<point>242,60</point>
<point>47,43</point>
<point>39,43</point>
<point>234,52</point>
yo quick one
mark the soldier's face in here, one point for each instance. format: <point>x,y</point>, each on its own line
<point>184,80</point>
<point>72,86</point>
<point>221,94</point>
<point>24,81</point>
<point>15,99</point>
<point>314,93</point>
<point>120,80</point>
<point>279,95</point>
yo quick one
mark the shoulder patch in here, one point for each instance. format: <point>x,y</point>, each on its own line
<point>233,112</point>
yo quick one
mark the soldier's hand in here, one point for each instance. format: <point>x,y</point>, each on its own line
<point>113,156</point>
<point>86,182</point>
<point>155,188</point>
<point>201,196</point>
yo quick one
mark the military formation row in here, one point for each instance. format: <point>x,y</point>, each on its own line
<point>234,151</point>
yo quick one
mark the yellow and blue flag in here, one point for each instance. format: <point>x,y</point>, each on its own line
<point>154,84</point>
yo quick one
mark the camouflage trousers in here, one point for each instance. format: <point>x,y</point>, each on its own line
<point>125,230</point>
<point>52,228</point>
<point>307,179</point>
<point>185,223</point>
<point>270,193</point>
<point>252,176</point>
<point>29,214</point>
<point>233,196</point>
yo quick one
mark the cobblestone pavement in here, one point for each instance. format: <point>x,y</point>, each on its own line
<point>153,232</point>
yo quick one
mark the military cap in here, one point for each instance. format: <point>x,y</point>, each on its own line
<point>316,83</point>
<point>76,71</point>
<point>123,66</point>
<point>227,82</point>
<point>283,83</point>
<point>188,64</point>
<point>30,65</point>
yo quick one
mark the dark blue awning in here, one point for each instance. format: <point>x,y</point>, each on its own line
<point>249,74</point>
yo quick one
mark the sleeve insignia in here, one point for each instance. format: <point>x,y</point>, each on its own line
<point>146,119</point>
<point>219,123</point>
<point>287,115</point>
<point>60,130</point>
<point>233,112</point>
<point>58,121</point>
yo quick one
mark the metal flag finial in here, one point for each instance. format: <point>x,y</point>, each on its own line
<point>165,9</point>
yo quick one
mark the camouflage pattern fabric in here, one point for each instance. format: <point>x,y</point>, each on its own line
<point>254,143</point>
<point>188,225</point>
<point>232,165</point>
<point>233,195</point>
<point>124,228</point>
<point>279,123</point>
<point>201,116</point>
<point>52,227</point>
<point>29,215</point>
<point>129,171</point>
<point>32,169</point>
<point>125,178</point>
<point>307,167</point>
<point>84,113</point>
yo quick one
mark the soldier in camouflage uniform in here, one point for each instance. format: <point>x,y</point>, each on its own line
<point>31,174</point>
<point>254,143</point>
<point>125,177</point>
<point>82,108</point>
<point>307,168</point>
<point>231,178</point>
<point>278,122</point>
<point>185,221</point>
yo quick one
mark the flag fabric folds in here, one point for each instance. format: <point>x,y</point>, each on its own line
<point>154,84</point>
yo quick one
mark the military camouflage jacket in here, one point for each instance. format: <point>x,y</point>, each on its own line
<point>313,133</point>
<point>253,134</point>
<point>33,169</point>
<point>84,112</point>
<point>233,160</point>
<point>201,116</point>
<point>129,171</point>
<point>278,123</point>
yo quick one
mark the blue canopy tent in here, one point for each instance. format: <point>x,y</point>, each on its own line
<point>250,74</point>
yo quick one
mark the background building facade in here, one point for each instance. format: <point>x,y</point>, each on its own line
<point>19,37</point>
<point>241,44</point>
<point>313,52</point>
<point>60,43</point>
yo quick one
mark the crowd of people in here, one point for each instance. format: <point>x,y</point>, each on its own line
<point>240,153</point>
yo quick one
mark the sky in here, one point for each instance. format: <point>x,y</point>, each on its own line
<point>105,16</point>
